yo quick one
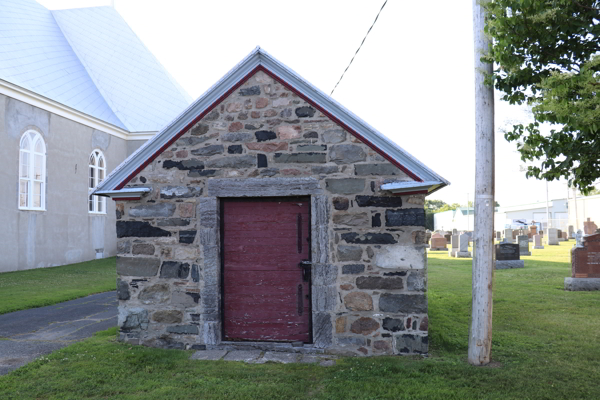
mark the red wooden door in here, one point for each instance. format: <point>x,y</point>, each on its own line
<point>266,293</point>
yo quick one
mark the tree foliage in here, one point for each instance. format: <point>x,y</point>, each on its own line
<point>546,52</point>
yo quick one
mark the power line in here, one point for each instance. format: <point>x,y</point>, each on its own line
<point>363,41</point>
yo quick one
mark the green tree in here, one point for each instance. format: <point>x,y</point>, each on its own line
<point>546,53</point>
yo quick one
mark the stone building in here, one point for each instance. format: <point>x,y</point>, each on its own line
<point>266,215</point>
<point>79,92</point>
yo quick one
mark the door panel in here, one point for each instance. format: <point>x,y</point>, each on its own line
<point>265,296</point>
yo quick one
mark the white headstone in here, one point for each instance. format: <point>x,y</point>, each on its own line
<point>508,236</point>
<point>537,242</point>
<point>463,244</point>
<point>552,239</point>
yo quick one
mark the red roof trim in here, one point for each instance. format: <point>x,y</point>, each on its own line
<point>288,86</point>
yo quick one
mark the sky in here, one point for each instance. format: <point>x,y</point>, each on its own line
<point>413,79</point>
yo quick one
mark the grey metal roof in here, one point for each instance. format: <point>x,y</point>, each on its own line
<point>260,58</point>
<point>87,59</point>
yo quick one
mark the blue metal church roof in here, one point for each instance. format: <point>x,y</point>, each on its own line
<point>88,59</point>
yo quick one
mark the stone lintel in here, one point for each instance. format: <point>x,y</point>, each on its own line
<point>257,187</point>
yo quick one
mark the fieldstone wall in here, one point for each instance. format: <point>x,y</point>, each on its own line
<point>368,246</point>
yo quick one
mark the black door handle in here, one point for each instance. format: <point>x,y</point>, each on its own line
<point>306,267</point>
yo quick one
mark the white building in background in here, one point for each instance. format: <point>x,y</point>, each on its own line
<point>562,213</point>
<point>462,219</point>
<point>587,207</point>
<point>534,212</point>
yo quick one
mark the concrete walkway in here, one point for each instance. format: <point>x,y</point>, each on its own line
<point>28,334</point>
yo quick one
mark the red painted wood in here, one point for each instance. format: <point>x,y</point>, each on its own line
<point>261,270</point>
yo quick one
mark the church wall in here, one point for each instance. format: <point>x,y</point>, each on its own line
<point>66,232</point>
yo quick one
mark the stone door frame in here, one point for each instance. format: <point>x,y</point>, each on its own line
<point>324,275</point>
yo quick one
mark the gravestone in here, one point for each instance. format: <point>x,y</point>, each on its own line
<point>438,243</point>
<point>523,241</point>
<point>508,236</point>
<point>565,236</point>
<point>515,233</point>
<point>537,242</point>
<point>571,232</point>
<point>454,231</point>
<point>533,230</point>
<point>559,235</point>
<point>589,227</point>
<point>508,256</point>
<point>454,249</point>
<point>498,235</point>
<point>448,237</point>
<point>585,265</point>
<point>428,235</point>
<point>552,239</point>
<point>463,244</point>
<point>579,238</point>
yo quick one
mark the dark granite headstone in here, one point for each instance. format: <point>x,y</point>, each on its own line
<point>508,256</point>
<point>507,252</point>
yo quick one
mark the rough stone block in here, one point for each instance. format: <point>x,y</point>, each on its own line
<point>212,332</point>
<point>393,324</point>
<point>407,217</point>
<point>378,201</point>
<point>347,154</point>
<point>345,185</point>
<point>133,318</point>
<point>360,219</point>
<point>187,237</point>
<point>240,137</point>
<point>409,344</point>
<point>349,253</point>
<point>358,301</point>
<point>353,269</point>
<point>333,136</point>
<point>173,222</point>
<point>234,162</point>
<point>262,136</point>
<point>208,211</point>
<point>137,266</point>
<point>400,257</point>
<point>379,283</point>
<point>122,290</point>
<point>183,329</point>
<point>300,158</point>
<point>142,248</point>
<point>139,229</point>
<point>322,330</point>
<point>376,170</point>
<point>208,151</point>
<point>368,238</point>
<point>351,341</point>
<point>324,298</point>
<point>167,316</point>
<point>153,210</point>
<point>180,192</point>
<point>324,274</point>
<point>185,299</point>
<point>174,270</point>
<point>364,326</point>
<point>417,282</point>
<point>305,112</point>
<point>155,294</point>
<point>403,303</point>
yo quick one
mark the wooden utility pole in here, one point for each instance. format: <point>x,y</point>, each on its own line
<point>480,333</point>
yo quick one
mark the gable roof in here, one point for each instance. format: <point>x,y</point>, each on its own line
<point>425,180</point>
<point>89,60</point>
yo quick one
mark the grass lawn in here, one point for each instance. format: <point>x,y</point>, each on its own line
<point>545,346</point>
<point>20,290</point>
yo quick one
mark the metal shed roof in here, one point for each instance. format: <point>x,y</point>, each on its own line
<point>257,60</point>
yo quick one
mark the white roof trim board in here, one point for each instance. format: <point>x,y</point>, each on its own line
<point>403,187</point>
<point>123,193</point>
<point>260,58</point>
